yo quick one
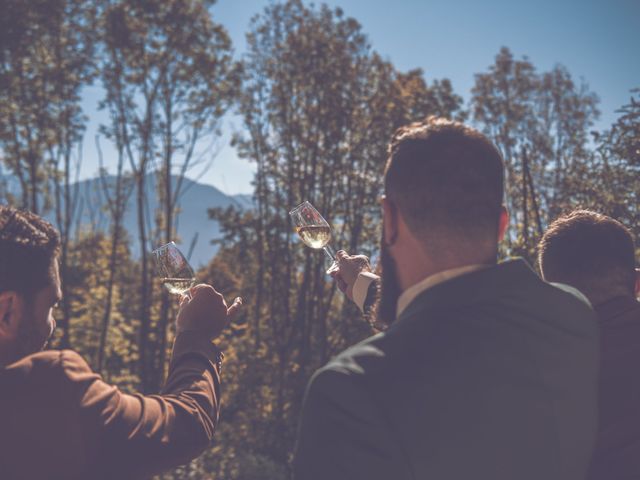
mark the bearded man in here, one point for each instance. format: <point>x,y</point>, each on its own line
<point>485,371</point>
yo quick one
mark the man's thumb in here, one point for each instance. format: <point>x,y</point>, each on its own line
<point>233,310</point>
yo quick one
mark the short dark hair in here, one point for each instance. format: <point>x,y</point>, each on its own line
<point>447,180</point>
<point>589,251</point>
<point>28,246</point>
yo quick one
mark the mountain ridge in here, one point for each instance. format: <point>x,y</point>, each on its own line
<point>192,222</point>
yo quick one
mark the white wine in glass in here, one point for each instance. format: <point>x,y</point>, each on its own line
<point>315,236</point>
<point>178,286</point>
<point>174,269</point>
<point>314,230</point>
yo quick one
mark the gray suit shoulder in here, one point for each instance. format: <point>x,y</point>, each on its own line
<point>574,307</point>
<point>344,430</point>
<point>357,359</point>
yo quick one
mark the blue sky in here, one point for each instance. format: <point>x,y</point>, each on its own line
<point>598,41</point>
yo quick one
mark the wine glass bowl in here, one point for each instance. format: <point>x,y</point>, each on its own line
<point>313,230</point>
<point>315,236</point>
<point>174,269</point>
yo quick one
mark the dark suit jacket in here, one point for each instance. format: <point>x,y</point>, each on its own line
<point>617,454</point>
<point>491,376</point>
<point>59,420</point>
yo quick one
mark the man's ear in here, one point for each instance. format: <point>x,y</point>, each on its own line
<point>503,223</point>
<point>637,282</point>
<point>390,221</point>
<point>11,306</point>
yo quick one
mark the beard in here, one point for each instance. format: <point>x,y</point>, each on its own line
<point>31,339</point>
<point>384,311</point>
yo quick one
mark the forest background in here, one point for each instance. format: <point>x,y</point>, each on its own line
<point>315,106</point>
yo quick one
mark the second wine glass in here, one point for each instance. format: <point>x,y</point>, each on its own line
<point>314,230</point>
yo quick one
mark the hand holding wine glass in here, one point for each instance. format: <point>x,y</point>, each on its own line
<point>206,311</point>
<point>202,308</point>
<point>349,268</point>
<point>314,230</point>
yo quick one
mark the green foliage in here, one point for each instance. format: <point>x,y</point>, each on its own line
<point>613,179</point>
<point>169,78</point>
<point>86,284</point>
<point>624,138</point>
<point>45,59</point>
<point>319,106</point>
<point>540,122</point>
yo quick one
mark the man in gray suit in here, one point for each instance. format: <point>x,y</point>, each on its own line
<point>485,371</point>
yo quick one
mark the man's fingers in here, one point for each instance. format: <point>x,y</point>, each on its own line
<point>362,258</point>
<point>233,310</point>
<point>335,274</point>
<point>334,268</point>
<point>202,289</point>
<point>184,299</point>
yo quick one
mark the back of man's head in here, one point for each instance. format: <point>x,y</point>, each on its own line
<point>447,181</point>
<point>591,252</point>
<point>28,247</point>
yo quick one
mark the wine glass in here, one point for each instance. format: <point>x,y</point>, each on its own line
<point>174,269</point>
<point>314,230</point>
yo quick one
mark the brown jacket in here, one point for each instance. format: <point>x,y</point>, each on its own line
<point>60,420</point>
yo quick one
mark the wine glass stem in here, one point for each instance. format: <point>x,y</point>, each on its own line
<point>330,253</point>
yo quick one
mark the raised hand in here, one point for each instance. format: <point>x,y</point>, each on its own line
<point>206,311</point>
<point>349,267</point>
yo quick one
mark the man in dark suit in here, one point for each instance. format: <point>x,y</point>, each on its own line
<point>485,371</point>
<point>595,254</point>
<point>58,419</point>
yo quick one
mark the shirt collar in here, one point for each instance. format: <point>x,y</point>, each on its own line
<point>410,294</point>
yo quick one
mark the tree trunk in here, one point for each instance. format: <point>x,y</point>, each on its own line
<point>525,217</point>
<point>113,256</point>
<point>165,303</point>
<point>145,317</point>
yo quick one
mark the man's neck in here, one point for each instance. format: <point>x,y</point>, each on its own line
<point>412,272</point>
<point>415,260</point>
